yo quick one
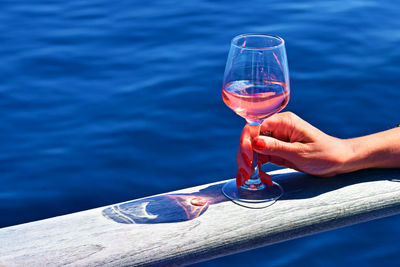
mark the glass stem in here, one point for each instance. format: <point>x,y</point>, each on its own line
<point>254,183</point>
<point>255,166</point>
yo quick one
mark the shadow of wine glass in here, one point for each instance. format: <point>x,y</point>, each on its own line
<point>166,208</point>
<point>169,208</point>
<point>299,185</point>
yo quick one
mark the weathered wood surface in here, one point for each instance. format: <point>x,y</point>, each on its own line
<point>157,232</point>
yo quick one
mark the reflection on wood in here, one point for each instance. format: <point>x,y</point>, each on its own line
<point>167,230</point>
<point>166,208</point>
<point>159,209</point>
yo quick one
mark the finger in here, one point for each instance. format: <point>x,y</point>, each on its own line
<point>242,164</point>
<point>264,158</point>
<point>245,175</point>
<point>276,160</point>
<point>239,180</point>
<point>279,123</point>
<point>281,162</point>
<point>244,156</point>
<point>287,126</point>
<point>246,150</point>
<point>265,177</point>
<point>274,147</point>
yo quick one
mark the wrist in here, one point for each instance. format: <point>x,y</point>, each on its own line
<point>357,155</point>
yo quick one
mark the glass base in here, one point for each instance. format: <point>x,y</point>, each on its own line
<point>255,199</point>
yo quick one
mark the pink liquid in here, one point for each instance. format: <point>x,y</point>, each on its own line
<point>255,101</point>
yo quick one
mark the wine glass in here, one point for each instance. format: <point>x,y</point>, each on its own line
<point>256,86</point>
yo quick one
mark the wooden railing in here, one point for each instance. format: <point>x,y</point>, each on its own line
<point>167,229</point>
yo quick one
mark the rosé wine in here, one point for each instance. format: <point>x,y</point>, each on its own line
<point>255,101</point>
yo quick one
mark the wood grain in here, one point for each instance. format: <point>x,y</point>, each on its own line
<point>166,230</point>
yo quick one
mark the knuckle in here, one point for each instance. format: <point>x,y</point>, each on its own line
<point>293,117</point>
<point>304,151</point>
<point>275,146</point>
<point>289,113</point>
<point>288,119</point>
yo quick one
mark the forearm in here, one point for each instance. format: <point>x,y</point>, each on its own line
<point>380,150</point>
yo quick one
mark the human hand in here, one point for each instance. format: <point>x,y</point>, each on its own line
<point>293,143</point>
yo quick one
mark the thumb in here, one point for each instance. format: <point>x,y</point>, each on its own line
<point>272,146</point>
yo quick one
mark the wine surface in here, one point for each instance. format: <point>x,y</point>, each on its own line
<point>255,101</point>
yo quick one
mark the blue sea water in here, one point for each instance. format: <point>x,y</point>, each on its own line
<point>103,102</point>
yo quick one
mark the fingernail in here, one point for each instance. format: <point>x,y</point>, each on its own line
<point>245,175</point>
<point>265,178</point>
<point>258,143</point>
<point>259,165</point>
<point>246,159</point>
<point>238,180</point>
